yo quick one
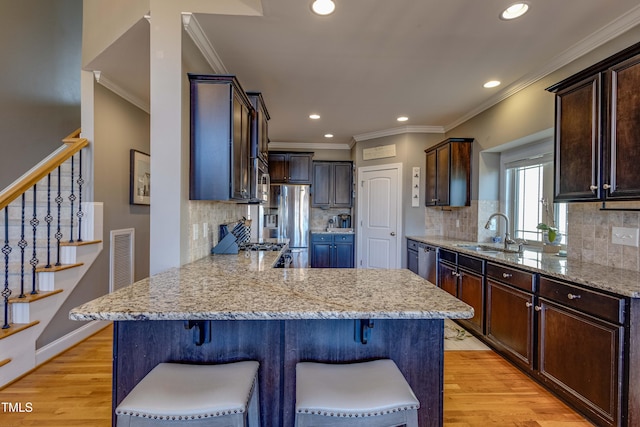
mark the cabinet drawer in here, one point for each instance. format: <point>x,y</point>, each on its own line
<point>588,301</point>
<point>412,244</point>
<point>471,263</point>
<point>520,279</point>
<point>449,256</point>
<point>343,238</point>
<point>321,237</point>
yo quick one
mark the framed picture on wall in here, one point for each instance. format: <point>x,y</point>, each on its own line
<point>140,178</point>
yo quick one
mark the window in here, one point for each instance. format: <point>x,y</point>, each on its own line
<point>528,195</point>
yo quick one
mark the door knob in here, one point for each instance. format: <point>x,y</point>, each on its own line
<point>393,233</point>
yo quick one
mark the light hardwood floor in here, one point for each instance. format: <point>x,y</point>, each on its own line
<point>481,389</point>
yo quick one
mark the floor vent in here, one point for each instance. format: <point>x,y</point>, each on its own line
<point>121,260</point>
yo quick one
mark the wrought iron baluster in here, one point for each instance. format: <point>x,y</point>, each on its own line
<point>80,181</point>
<point>34,260</point>
<point>48,218</point>
<point>6,250</point>
<point>59,201</point>
<point>22,244</point>
<point>72,198</point>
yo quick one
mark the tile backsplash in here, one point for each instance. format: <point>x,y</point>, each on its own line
<point>465,223</point>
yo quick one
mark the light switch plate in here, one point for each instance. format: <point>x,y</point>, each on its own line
<point>625,236</point>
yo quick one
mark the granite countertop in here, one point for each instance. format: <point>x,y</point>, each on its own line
<point>245,286</point>
<point>615,280</point>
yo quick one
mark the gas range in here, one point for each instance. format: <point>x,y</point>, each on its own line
<point>261,246</point>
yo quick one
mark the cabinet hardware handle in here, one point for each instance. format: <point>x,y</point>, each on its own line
<point>507,275</point>
<point>572,296</point>
<point>537,308</point>
<point>434,200</point>
<point>528,304</point>
<point>593,187</point>
<point>606,186</point>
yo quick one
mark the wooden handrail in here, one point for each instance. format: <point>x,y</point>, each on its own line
<point>72,144</point>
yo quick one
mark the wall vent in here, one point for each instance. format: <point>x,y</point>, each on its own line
<point>121,259</point>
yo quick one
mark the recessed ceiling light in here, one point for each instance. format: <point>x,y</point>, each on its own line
<point>402,119</point>
<point>314,116</point>
<point>328,135</point>
<point>514,11</point>
<point>323,7</point>
<point>492,83</point>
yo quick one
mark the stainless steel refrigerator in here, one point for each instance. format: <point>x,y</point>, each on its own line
<point>291,204</point>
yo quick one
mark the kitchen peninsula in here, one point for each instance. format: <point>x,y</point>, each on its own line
<point>279,317</point>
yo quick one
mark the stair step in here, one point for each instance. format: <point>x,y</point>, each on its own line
<point>84,242</point>
<point>33,297</point>
<point>54,268</point>
<point>4,362</point>
<point>14,328</point>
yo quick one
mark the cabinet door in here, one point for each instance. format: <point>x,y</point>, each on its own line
<point>471,291</point>
<point>431,195</point>
<point>624,155</point>
<point>580,356</point>
<point>278,168</point>
<point>443,170</point>
<point>240,148</point>
<point>343,252</point>
<point>342,185</point>
<point>510,322</point>
<point>577,141</point>
<point>321,184</point>
<point>321,254</point>
<point>448,278</point>
<point>299,169</point>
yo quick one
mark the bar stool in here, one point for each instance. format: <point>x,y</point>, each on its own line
<point>184,395</point>
<point>371,394</point>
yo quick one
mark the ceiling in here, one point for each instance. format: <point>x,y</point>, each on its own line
<point>374,60</point>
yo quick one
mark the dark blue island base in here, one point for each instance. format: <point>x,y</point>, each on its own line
<point>416,346</point>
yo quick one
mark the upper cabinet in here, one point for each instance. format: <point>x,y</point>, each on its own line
<point>596,131</point>
<point>290,168</point>
<point>448,173</point>
<point>260,128</point>
<point>332,185</point>
<point>220,139</point>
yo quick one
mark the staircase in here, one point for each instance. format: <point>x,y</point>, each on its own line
<point>49,239</point>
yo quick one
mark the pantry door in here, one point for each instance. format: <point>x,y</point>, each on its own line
<point>380,216</point>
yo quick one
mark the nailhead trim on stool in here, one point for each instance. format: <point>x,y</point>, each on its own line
<point>186,392</point>
<point>349,391</point>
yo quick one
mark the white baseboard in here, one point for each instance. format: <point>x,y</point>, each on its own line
<point>72,338</point>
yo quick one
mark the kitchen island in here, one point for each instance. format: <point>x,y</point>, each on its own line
<point>240,308</point>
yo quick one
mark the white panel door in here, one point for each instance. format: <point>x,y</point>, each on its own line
<point>379,227</point>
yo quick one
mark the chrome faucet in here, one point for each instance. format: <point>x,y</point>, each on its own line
<point>507,234</point>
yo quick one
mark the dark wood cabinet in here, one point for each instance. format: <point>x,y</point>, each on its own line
<point>580,348</point>
<point>290,168</point>
<point>596,132</point>
<point>448,173</point>
<point>220,139</point>
<point>332,184</point>
<point>412,255</point>
<point>332,250</point>
<point>259,128</point>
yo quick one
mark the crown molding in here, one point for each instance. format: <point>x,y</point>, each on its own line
<point>274,145</point>
<point>197,34</point>
<point>121,92</point>
<point>605,34</point>
<point>398,131</point>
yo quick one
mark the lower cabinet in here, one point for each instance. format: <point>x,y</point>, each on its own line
<point>332,250</point>
<point>412,256</point>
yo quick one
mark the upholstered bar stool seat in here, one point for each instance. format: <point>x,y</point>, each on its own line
<point>174,394</point>
<point>371,394</point>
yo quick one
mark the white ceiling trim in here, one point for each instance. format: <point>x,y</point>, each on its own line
<point>398,131</point>
<point>202,42</point>
<point>120,91</point>
<point>586,45</point>
<point>273,145</point>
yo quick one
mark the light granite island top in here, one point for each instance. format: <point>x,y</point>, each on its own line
<point>225,308</point>
<point>239,287</point>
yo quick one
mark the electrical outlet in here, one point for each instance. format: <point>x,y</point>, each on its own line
<point>457,223</point>
<point>195,231</point>
<point>205,230</point>
<point>625,236</point>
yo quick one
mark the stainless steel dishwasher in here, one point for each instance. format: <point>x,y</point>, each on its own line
<point>428,262</point>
